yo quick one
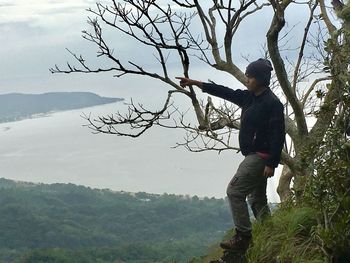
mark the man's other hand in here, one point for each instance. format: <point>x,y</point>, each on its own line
<point>269,171</point>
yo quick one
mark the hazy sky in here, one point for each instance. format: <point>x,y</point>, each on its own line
<point>35,33</point>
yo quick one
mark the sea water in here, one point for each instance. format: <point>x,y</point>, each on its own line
<point>58,148</point>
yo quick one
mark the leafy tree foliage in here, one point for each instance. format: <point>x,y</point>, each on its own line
<point>329,188</point>
<point>329,191</point>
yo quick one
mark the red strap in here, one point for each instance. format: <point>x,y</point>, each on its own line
<point>263,156</point>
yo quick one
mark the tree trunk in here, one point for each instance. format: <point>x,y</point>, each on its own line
<point>283,188</point>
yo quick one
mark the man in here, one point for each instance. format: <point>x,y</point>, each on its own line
<point>261,139</point>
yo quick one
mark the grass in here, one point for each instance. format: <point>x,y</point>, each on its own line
<point>285,237</point>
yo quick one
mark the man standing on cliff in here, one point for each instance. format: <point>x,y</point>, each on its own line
<point>261,139</point>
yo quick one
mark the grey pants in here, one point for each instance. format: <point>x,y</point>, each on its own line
<point>250,182</point>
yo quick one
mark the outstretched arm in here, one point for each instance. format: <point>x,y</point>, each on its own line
<point>236,96</point>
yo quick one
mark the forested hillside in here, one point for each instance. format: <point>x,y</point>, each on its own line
<point>90,225</point>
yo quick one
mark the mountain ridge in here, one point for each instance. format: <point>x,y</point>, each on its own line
<point>19,106</point>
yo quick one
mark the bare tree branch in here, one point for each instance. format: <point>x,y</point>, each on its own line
<point>277,24</point>
<point>312,87</point>
<point>138,119</point>
<point>330,26</point>
<point>302,47</point>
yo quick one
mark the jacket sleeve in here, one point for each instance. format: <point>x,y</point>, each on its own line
<point>277,134</point>
<point>236,96</point>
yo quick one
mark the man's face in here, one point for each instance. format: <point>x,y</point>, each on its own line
<point>252,84</point>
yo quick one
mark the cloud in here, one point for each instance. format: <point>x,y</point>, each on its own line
<point>6,3</point>
<point>37,10</point>
<point>40,23</point>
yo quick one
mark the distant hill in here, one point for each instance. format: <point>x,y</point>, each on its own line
<point>90,225</point>
<point>17,106</point>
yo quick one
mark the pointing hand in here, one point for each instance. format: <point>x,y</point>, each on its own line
<point>188,82</point>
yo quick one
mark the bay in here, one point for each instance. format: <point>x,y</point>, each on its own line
<point>59,148</point>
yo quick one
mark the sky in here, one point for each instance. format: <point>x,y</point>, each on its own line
<point>35,34</point>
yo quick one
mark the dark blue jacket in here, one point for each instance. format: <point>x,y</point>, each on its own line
<point>262,120</point>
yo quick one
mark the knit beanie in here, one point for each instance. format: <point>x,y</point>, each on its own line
<point>260,70</point>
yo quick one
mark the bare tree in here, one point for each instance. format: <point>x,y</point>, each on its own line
<point>166,28</point>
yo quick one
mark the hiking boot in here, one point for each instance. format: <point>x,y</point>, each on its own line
<point>239,242</point>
